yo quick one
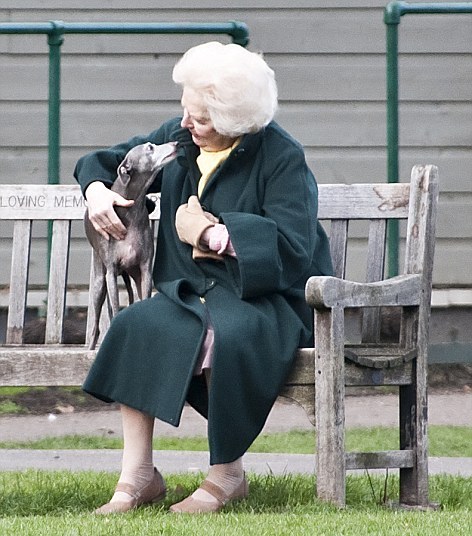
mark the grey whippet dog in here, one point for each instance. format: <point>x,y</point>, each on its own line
<point>132,256</point>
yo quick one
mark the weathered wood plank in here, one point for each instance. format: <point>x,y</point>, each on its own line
<point>329,405</point>
<point>325,292</point>
<point>376,251</point>
<point>43,202</point>
<point>45,365</point>
<point>374,272</point>
<point>18,281</point>
<point>304,396</point>
<point>419,257</point>
<point>303,370</point>
<point>420,243</point>
<point>302,378</point>
<point>339,201</point>
<point>337,243</point>
<point>389,459</point>
<point>40,202</point>
<point>356,376</point>
<point>57,281</point>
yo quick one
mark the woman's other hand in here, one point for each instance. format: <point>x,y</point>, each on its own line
<point>191,221</point>
<point>100,203</point>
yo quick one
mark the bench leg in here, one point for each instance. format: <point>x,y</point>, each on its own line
<point>329,406</point>
<point>413,435</point>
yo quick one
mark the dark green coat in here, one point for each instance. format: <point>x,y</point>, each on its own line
<point>267,197</point>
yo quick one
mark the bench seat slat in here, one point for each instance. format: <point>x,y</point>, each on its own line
<point>44,365</point>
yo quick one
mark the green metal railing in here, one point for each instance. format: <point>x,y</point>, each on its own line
<point>55,30</point>
<point>392,15</point>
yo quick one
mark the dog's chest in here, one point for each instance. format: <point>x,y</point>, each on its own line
<point>133,249</point>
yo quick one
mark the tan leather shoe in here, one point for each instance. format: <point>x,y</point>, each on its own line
<point>194,506</point>
<point>152,492</point>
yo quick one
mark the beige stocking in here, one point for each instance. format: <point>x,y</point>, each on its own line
<point>227,476</point>
<point>137,464</point>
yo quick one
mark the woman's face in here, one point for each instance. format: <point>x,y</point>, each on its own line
<point>198,122</point>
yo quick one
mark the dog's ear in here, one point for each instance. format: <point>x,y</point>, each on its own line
<point>124,172</point>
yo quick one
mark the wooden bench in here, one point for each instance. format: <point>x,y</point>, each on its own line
<point>332,365</point>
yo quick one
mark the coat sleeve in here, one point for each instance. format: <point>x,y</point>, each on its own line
<point>275,248</point>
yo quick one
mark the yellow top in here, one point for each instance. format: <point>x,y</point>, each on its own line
<point>209,161</point>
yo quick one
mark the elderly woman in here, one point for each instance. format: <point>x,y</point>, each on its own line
<point>238,238</point>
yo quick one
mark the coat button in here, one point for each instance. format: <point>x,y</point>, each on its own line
<point>211,283</point>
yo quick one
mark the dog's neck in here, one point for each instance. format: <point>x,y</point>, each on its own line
<point>137,194</point>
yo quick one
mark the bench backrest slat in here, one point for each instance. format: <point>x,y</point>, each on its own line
<point>18,281</point>
<point>421,230</point>
<point>57,287</point>
<point>363,201</point>
<point>374,272</point>
<point>338,246</point>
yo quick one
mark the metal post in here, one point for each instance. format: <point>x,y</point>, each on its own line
<point>55,40</point>
<point>392,15</point>
<point>392,134</point>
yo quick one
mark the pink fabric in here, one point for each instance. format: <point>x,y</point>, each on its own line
<point>206,353</point>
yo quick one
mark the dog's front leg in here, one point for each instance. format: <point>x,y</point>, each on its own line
<point>98,293</point>
<point>145,266</point>
<point>146,279</point>
<point>112,290</point>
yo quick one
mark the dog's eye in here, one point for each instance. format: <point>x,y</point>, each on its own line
<point>150,147</point>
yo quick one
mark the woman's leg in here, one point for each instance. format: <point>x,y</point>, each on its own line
<point>137,466</point>
<point>224,482</point>
<point>139,482</point>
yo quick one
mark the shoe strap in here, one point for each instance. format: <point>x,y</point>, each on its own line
<point>214,490</point>
<point>126,488</point>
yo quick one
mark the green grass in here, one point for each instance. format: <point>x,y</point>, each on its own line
<point>453,441</point>
<point>8,407</point>
<point>13,391</point>
<point>59,504</point>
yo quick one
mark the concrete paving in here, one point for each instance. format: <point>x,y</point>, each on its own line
<point>170,462</point>
<point>453,408</point>
<point>361,411</point>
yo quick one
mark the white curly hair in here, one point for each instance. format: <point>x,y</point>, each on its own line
<point>237,86</point>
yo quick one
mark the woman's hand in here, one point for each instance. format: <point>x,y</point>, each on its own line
<point>191,221</point>
<point>100,203</point>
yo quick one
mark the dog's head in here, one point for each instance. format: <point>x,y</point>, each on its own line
<point>146,160</point>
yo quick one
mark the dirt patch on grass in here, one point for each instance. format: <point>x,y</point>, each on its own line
<point>43,400</point>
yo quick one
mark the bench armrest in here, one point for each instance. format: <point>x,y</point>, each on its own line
<point>325,292</point>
